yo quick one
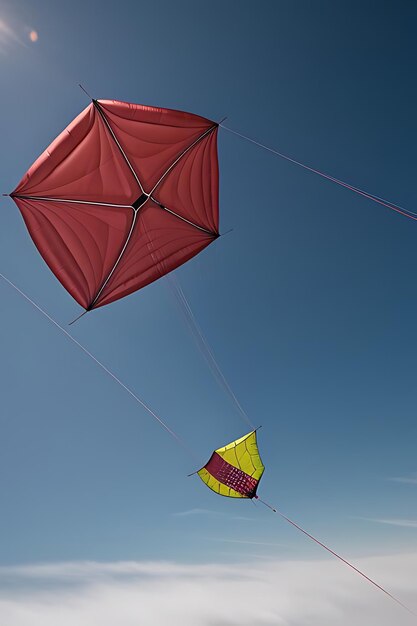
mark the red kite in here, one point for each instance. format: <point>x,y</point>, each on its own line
<point>124,195</point>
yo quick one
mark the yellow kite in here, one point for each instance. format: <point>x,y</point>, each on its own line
<point>234,470</point>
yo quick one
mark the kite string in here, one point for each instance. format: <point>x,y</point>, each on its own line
<point>358,571</point>
<point>366,194</point>
<point>204,345</point>
<point>102,366</point>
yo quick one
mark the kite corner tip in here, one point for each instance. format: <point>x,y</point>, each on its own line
<point>79,317</point>
<point>86,92</point>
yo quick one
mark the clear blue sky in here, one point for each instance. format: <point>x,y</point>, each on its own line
<point>309,304</point>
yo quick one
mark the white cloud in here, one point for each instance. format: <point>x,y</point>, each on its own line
<point>209,512</point>
<point>190,512</point>
<point>279,593</point>
<point>409,480</point>
<point>394,521</point>
<point>251,543</point>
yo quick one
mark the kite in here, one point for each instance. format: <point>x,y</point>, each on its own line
<point>234,470</point>
<point>124,195</point>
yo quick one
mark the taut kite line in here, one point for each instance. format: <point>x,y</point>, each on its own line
<point>361,192</point>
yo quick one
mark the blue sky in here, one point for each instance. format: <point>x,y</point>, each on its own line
<point>309,304</point>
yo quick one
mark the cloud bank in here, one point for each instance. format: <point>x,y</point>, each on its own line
<point>290,593</point>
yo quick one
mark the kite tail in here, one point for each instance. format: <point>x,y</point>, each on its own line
<point>358,571</point>
<point>103,367</point>
<point>386,203</point>
<point>204,345</point>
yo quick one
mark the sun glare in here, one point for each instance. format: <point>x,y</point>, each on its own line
<point>33,35</point>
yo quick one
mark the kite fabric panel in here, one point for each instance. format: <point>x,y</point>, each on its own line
<point>124,195</point>
<point>236,469</point>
